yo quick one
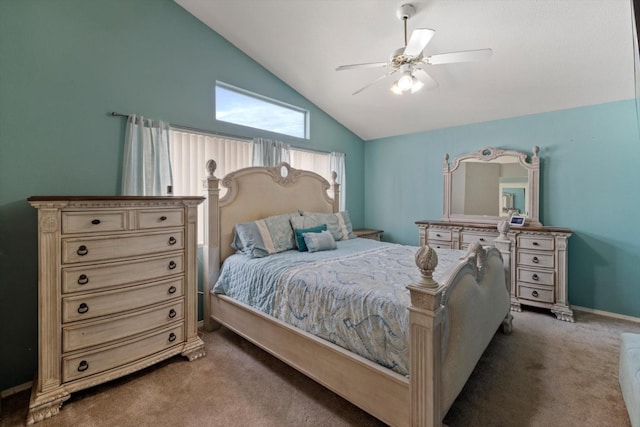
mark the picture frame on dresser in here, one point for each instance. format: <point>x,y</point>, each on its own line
<point>117,290</point>
<point>537,274</point>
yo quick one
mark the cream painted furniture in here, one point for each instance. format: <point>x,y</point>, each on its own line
<point>117,290</point>
<point>482,189</point>
<point>450,323</point>
<point>537,274</point>
<point>629,375</point>
<point>366,233</point>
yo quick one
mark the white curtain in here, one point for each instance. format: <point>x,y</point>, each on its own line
<point>336,164</point>
<point>267,152</point>
<point>146,167</point>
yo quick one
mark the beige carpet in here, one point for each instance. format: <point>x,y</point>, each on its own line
<point>547,373</point>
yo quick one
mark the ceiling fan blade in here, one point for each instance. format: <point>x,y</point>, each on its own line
<point>464,56</point>
<point>418,41</point>
<point>365,65</point>
<point>384,76</point>
<point>424,77</point>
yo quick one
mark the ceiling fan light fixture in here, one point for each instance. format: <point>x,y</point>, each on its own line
<point>417,85</point>
<point>406,81</point>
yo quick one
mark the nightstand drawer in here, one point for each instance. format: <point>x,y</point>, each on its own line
<point>536,259</point>
<point>95,333</point>
<point>535,293</point>
<point>98,304</point>
<point>102,276</point>
<point>105,248</point>
<point>160,218</point>
<point>84,365</point>
<point>438,235</point>
<point>536,242</point>
<point>536,276</point>
<point>94,221</point>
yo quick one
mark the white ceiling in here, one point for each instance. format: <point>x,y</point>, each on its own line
<point>548,55</point>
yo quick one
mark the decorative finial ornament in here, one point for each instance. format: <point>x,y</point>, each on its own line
<point>211,167</point>
<point>334,176</point>
<point>427,260</point>
<point>536,150</point>
<point>503,228</point>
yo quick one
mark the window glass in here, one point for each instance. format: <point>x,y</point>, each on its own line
<point>241,107</point>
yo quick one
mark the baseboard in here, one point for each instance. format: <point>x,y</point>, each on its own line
<point>16,389</point>
<point>606,313</point>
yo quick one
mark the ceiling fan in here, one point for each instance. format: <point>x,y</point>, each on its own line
<point>409,60</point>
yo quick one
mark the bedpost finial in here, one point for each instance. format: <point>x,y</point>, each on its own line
<point>427,260</point>
<point>211,167</point>
<point>334,176</point>
<point>536,150</point>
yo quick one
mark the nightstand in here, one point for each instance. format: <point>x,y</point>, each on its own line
<point>366,233</point>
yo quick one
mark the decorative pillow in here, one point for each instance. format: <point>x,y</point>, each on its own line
<point>265,236</point>
<point>322,241</point>
<point>302,247</point>
<point>339,224</point>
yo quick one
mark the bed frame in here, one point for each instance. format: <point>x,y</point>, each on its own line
<point>451,323</point>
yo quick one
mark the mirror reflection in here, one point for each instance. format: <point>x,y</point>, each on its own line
<point>496,187</point>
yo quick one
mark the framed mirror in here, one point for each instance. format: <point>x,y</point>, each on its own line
<point>490,185</point>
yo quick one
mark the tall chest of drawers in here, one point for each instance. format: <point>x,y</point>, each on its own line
<point>537,273</point>
<point>117,290</point>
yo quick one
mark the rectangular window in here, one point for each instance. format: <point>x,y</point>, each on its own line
<point>241,107</point>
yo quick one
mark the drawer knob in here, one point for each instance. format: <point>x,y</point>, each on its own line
<point>535,294</point>
<point>83,366</point>
<point>82,250</point>
<point>438,235</point>
<point>95,222</point>
<point>83,308</point>
<point>172,313</point>
<point>535,260</point>
<point>535,244</point>
<point>83,279</point>
<point>172,240</point>
<point>172,290</point>
<point>163,218</point>
<point>534,277</point>
<point>172,265</point>
<point>172,337</point>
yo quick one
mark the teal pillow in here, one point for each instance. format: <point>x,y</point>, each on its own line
<point>302,247</point>
<point>322,241</point>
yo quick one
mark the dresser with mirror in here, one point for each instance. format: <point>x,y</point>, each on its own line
<point>491,186</point>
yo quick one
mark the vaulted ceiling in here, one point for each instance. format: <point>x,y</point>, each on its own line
<point>548,55</point>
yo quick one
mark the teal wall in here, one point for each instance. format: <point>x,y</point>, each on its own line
<point>64,65</point>
<point>590,182</point>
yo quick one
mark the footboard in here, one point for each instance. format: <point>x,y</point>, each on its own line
<point>451,325</point>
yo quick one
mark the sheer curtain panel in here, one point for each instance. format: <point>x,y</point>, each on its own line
<point>146,169</point>
<point>267,152</point>
<point>336,164</point>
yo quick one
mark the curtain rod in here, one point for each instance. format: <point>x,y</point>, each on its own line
<point>227,135</point>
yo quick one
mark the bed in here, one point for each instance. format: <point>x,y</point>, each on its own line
<point>453,310</point>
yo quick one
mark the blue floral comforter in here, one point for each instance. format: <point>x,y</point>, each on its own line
<point>354,296</point>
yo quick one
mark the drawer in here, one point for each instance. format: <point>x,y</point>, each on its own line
<point>438,235</point>
<point>159,218</point>
<point>535,293</point>
<point>112,247</point>
<point>89,334</point>
<point>536,259</point>
<point>536,276</point>
<point>468,237</point>
<point>94,221</point>
<point>440,244</point>
<point>88,306</point>
<point>87,364</point>
<point>536,242</point>
<point>102,276</point>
